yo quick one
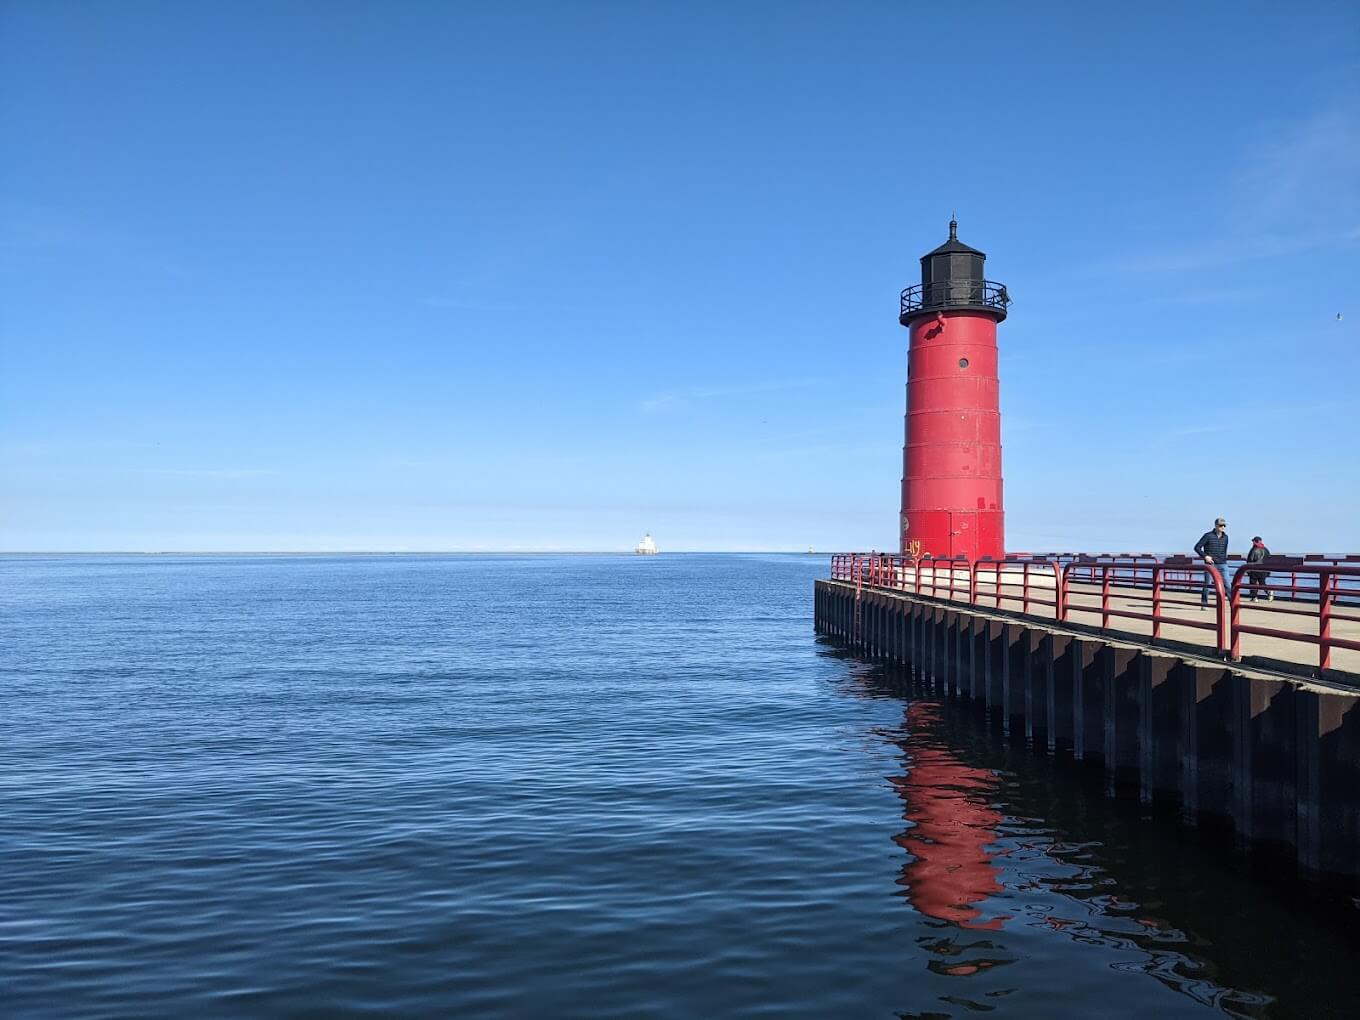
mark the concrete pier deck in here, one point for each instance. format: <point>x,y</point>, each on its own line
<point>1084,605</point>
<point>1259,649</point>
<point>1274,759</point>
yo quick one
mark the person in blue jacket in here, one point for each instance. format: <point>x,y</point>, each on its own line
<point>1212,548</point>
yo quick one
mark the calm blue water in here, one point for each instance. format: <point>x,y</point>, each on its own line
<point>562,786</point>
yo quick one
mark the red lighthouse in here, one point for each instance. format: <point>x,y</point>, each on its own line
<point>951,464</point>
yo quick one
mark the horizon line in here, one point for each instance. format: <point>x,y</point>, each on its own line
<point>385,552</point>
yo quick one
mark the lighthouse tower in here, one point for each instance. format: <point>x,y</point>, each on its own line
<point>951,464</point>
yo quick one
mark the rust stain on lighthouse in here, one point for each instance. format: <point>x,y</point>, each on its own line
<point>951,463</point>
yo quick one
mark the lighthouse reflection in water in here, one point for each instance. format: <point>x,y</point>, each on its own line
<point>951,875</point>
<point>995,884</point>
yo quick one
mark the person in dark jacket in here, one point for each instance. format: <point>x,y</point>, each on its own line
<point>1212,548</point>
<point>1256,554</point>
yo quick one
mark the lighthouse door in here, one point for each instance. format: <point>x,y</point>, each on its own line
<point>963,533</point>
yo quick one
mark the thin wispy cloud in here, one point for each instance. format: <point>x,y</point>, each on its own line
<point>482,276</point>
<point>469,304</point>
<point>1210,296</point>
<point>25,448</point>
<point>1020,423</point>
<point>1197,430</point>
<point>209,473</point>
<point>678,399</point>
<point>32,232</point>
<point>1295,189</point>
<point>844,452</point>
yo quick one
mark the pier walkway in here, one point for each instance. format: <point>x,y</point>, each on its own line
<point>1309,627</point>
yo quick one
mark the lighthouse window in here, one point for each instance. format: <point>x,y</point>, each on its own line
<point>963,363</point>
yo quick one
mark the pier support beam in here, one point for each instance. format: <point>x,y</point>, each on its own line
<point>1088,701</point>
<point>993,667</point>
<point>1161,743</point>
<point>1122,759</point>
<point>1058,692</point>
<point>1014,678</point>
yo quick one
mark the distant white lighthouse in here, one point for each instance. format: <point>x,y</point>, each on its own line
<point>647,547</point>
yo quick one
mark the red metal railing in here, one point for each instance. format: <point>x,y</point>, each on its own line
<point>1161,579</point>
<point>1311,601</point>
<point>1029,583</point>
<point>1140,594</point>
<point>957,580</point>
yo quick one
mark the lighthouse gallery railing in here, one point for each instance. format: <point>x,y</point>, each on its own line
<point>954,294</point>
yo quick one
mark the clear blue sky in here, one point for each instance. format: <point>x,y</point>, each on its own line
<point>420,276</point>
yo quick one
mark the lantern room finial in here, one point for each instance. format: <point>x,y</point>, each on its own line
<point>953,228</point>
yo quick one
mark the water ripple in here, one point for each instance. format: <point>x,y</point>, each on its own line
<point>573,786</point>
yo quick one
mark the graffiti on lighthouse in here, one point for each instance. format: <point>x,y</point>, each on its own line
<point>910,546</point>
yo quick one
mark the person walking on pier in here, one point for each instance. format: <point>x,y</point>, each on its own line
<point>1212,547</point>
<point>1257,553</point>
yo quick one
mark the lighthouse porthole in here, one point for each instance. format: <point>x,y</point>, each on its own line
<point>963,363</point>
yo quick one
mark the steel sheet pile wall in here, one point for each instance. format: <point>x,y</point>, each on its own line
<point>1275,761</point>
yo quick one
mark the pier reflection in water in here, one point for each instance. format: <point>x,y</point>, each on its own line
<point>996,880</point>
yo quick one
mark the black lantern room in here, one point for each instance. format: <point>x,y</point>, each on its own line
<point>952,280</point>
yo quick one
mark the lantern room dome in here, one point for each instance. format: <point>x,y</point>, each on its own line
<point>953,246</point>
<point>952,280</point>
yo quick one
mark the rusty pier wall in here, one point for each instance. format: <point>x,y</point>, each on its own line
<point>1274,762</point>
